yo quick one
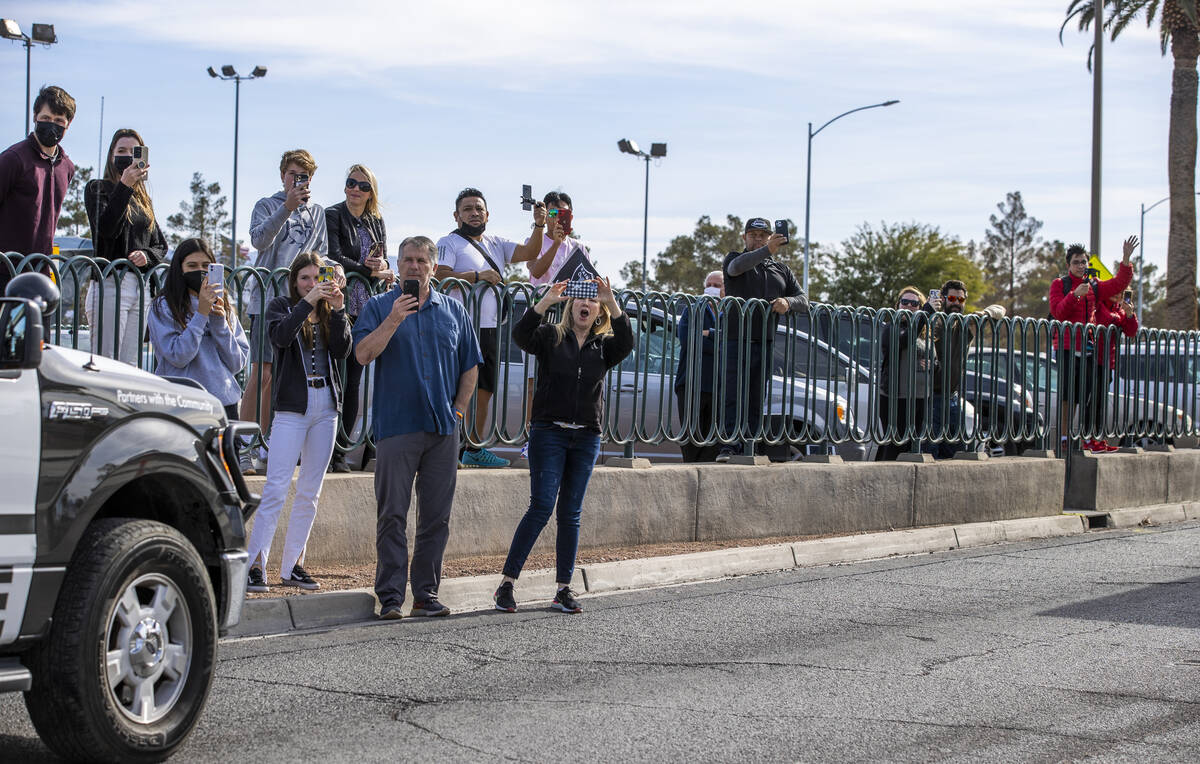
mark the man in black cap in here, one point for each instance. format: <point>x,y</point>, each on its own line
<point>753,273</point>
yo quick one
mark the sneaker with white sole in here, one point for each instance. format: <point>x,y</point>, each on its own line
<point>566,602</point>
<point>256,582</point>
<point>246,464</point>
<point>429,608</point>
<point>482,458</point>
<point>301,579</point>
<point>505,602</point>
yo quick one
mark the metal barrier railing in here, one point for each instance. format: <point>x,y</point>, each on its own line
<point>801,381</point>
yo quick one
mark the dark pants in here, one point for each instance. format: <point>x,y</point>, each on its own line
<point>351,384</point>
<point>700,425</point>
<point>560,465</point>
<point>432,458</point>
<point>752,410</point>
<point>1084,382</point>
<point>895,411</point>
<point>945,409</point>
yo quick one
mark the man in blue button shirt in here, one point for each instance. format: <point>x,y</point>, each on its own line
<point>425,355</point>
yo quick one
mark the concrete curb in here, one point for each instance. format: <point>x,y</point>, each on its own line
<point>274,616</point>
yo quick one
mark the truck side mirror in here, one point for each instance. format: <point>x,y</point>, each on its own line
<point>20,334</point>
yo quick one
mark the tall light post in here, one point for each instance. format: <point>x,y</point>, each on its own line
<point>808,175</point>
<point>1142,250</point>
<point>657,150</point>
<point>229,73</point>
<point>42,34</point>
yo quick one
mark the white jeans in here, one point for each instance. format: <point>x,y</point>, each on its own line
<point>309,437</point>
<point>120,316</point>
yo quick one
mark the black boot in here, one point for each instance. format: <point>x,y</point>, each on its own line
<point>337,462</point>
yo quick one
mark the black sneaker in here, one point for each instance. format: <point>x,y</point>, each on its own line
<point>725,454</point>
<point>429,608</point>
<point>390,613</point>
<point>504,598</point>
<point>300,578</point>
<point>337,462</point>
<point>256,581</point>
<point>566,602</point>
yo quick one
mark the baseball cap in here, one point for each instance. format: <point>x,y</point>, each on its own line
<point>757,224</point>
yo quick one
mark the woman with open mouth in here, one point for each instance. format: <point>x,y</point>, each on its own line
<point>573,356</point>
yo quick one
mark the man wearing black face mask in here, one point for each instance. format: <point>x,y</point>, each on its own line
<point>951,338</point>
<point>34,175</point>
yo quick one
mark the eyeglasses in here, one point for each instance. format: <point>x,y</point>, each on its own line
<point>363,186</point>
<point>958,300</point>
<point>910,303</point>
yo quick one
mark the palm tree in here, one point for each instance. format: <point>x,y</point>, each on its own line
<point>1178,28</point>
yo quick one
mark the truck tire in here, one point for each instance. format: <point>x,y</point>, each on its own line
<point>127,665</point>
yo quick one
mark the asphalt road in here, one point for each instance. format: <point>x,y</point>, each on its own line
<point>1065,649</point>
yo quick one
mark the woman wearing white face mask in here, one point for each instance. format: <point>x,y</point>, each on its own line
<point>704,315</point>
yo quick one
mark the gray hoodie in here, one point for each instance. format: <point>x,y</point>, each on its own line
<point>279,236</point>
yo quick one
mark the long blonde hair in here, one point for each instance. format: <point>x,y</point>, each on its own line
<point>141,198</point>
<point>601,327</point>
<point>372,207</point>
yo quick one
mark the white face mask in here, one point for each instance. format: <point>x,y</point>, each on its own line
<point>712,291</point>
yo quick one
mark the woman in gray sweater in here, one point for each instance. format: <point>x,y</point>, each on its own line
<point>194,330</point>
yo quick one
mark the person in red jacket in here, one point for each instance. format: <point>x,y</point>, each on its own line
<point>1120,314</point>
<point>1073,300</point>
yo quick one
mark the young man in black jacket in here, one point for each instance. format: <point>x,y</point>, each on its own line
<point>754,274</point>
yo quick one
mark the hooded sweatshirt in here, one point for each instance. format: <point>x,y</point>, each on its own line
<point>279,236</point>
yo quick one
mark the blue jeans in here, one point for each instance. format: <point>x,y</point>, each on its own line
<point>953,444</point>
<point>560,465</point>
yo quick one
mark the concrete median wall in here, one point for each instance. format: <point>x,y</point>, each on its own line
<point>680,503</point>
<point>1103,482</point>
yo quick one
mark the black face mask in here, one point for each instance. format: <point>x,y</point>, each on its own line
<point>48,133</point>
<point>121,163</point>
<point>194,280</point>
<point>471,230</point>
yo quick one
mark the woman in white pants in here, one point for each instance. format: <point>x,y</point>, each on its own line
<point>124,231</point>
<point>309,331</point>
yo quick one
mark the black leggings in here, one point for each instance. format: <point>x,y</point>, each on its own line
<point>350,387</point>
<point>897,411</point>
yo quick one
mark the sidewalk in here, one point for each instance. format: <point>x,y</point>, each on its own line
<point>470,593</point>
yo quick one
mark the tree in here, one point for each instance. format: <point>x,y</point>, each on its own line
<point>1010,247</point>
<point>205,218</point>
<point>1033,296</point>
<point>871,267</point>
<point>1179,28</point>
<point>73,220</point>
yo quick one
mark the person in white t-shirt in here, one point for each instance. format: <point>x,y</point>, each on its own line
<point>467,253</point>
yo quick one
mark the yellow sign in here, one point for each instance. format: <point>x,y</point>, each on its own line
<point>1095,262</point>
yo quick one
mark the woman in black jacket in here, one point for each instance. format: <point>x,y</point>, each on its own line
<point>573,358</point>
<point>309,331</point>
<point>123,227</point>
<point>358,242</point>
<point>905,377</point>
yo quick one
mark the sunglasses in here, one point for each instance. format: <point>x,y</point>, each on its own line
<point>952,298</point>
<point>363,186</point>
<point>910,303</point>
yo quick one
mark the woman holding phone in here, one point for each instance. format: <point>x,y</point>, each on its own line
<point>123,226</point>
<point>358,242</point>
<point>310,334</point>
<point>574,356</point>
<point>194,329</point>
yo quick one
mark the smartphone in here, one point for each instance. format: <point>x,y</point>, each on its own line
<point>781,228</point>
<point>216,275</point>
<point>301,180</point>
<point>582,289</point>
<point>935,294</point>
<point>1128,295</point>
<point>527,201</point>
<point>141,157</point>
<point>324,273</point>
<point>412,287</point>
<point>563,217</point>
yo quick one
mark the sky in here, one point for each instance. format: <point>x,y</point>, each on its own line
<point>434,97</point>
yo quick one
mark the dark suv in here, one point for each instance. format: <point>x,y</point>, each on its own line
<point>122,541</point>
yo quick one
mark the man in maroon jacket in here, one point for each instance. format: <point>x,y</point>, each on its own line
<point>1073,300</point>
<point>34,175</point>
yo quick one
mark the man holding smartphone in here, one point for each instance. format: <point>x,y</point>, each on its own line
<point>281,226</point>
<point>469,254</point>
<point>754,274</point>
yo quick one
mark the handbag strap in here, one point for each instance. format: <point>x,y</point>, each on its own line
<point>483,252</point>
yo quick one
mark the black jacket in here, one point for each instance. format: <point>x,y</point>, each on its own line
<point>115,235</point>
<point>767,280</point>
<point>708,347</point>
<point>289,382</point>
<point>343,237</point>
<point>570,380</point>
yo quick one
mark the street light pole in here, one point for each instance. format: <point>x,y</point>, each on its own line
<point>228,73</point>
<point>657,151</point>
<point>1142,250</point>
<point>42,34</point>
<point>808,177</point>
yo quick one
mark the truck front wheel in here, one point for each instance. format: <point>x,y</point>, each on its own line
<point>129,660</point>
